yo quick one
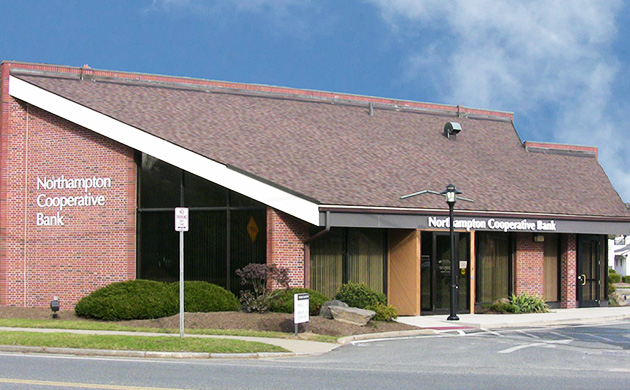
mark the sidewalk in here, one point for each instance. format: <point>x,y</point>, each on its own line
<point>296,347</point>
<point>495,321</point>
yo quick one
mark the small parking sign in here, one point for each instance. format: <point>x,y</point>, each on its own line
<point>181,219</point>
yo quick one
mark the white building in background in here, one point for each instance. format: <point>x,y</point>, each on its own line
<point>618,253</point>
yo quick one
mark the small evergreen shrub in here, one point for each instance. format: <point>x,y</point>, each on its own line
<point>611,288</point>
<point>383,312</point>
<point>204,297</point>
<point>284,300</point>
<point>526,303</point>
<point>359,295</point>
<point>613,277</point>
<point>626,279</point>
<point>130,300</point>
<point>500,307</point>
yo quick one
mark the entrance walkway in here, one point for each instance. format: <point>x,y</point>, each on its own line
<point>494,321</point>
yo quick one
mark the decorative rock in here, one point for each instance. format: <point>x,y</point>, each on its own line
<point>352,315</point>
<point>325,309</point>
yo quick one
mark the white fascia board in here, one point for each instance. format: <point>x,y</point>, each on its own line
<point>164,150</point>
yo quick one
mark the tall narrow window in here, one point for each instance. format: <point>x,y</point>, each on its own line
<point>551,279</point>
<point>493,266</point>
<point>366,257</point>
<point>348,256</point>
<point>327,262</point>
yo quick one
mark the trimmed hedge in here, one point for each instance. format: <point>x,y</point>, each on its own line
<point>283,300</point>
<point>360,295</point>
<point>130,300</point>
<point>204,297</point>
<point>147,299</point>
<point>614,277</point>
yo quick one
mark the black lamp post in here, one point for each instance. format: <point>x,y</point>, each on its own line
<point>451,197</point>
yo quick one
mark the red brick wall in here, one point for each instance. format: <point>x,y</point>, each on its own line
<point>96,245</point>
<point>530,257</point>
<point>285,245</point>
<point>568,270</point>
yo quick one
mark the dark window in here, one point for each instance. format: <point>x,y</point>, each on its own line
<point>493,266</point>
<point>226,230</point>
<point>347,255</point>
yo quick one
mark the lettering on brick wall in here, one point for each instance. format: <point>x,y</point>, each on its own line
<point>78,192</point>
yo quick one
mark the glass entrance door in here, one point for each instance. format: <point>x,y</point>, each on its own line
<point>588,291</point>
<point>435,279</point>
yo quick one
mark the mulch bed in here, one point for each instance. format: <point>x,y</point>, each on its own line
<point>277,322</point>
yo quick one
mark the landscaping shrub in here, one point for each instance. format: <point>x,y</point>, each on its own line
<point>260,277</point>
<point>626,279</point>
<point>359,295</point>
<point>526,303</point>
<point>613,277</point>
<point>203,297</point>
<point>284,301</point>
<point>383,312</point>
<point>130,300</point>
<point>500,307</point>
<point>611,288</point>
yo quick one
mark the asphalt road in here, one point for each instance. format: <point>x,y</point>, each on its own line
<point>582,357</point>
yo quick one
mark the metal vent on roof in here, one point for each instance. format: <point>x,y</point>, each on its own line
<point>451,129</point>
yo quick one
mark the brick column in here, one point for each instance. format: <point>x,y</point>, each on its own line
<point>568,270</point>
<point>285,245</point>
<point>530,257</point>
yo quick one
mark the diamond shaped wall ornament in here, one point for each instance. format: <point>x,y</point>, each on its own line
<point>252,229</point>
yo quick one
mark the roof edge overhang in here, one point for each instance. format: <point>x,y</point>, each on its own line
<point>176,155</point>
<point>399,218</point>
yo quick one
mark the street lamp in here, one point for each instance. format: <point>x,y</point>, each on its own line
<point>451,197</point>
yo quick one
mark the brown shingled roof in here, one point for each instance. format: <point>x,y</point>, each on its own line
<point>336,153</point>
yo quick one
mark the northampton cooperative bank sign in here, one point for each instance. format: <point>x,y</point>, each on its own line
<point>494,224</point>
<point>58,194</point>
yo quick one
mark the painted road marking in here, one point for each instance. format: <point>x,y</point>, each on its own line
<point>81,385</point>
<point>546,344</point>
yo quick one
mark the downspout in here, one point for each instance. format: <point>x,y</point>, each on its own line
<point>307,276</point>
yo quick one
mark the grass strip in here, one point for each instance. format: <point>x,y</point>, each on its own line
<point>113,326</point>
<point>135,343</point>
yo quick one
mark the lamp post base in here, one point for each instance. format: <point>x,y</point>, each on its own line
<point>452,318</point>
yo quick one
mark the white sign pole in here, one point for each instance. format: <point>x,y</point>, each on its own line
<point>181,225</point>
<point>181,284</point>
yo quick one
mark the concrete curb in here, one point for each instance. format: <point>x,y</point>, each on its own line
<point>384,335</point>
<point>145,354</point>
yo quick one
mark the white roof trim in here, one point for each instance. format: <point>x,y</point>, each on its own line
<point>165,151</point>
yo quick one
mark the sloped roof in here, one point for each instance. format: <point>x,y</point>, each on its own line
<point>335,153</point>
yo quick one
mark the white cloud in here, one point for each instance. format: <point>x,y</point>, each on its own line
<point>530,57</point>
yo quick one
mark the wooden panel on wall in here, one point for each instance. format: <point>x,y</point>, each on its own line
<point>550,283</point>
<point>404,271</point>
<point>473,271</point>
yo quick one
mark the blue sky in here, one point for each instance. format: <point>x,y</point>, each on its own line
<point>562,67</point>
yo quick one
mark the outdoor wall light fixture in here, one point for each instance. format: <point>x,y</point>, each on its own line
<point>451,197</point>
<point>54,306</point>
<point>451,129</point>
<point>539,238</point>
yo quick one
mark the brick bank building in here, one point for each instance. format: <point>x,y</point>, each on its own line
<point>93,163</point>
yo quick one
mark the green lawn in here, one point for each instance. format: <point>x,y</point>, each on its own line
<point>113,326</point>
<point>135,343</point>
